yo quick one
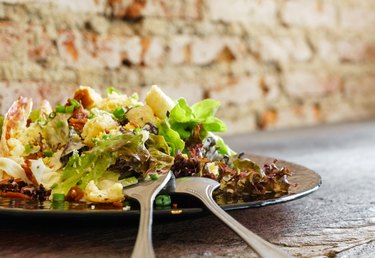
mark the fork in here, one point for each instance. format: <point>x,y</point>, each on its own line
<point>203,188</point>
<point>145,193</point>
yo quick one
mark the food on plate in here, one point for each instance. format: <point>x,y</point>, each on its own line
<point>92,146</point>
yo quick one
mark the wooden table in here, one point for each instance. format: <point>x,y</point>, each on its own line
<point>336,221</point>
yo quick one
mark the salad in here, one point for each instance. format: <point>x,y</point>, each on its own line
<point>91,147</point>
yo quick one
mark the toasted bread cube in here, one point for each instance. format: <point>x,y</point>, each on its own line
<point>88,96</point>
<point>141,115</point>
<point>159,102</point>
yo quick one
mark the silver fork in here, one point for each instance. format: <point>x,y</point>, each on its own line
<point>145,193</point>
<point>203,188</point>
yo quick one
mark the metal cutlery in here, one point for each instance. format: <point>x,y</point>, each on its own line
<point>203,188</point>
<point>145,193</point>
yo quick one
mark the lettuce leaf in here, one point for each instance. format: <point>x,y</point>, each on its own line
<point>171,136</point>
<point>183,119</point>
<point>160,160</point>
<point>91,165</point>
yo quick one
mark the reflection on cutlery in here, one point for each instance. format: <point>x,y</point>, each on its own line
<point>203,188</point>
<point>145,194</point>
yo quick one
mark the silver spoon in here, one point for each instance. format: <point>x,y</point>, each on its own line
<point>145,193</point>
<point>203,188</point>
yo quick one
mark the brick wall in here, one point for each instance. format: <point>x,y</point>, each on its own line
<point>272,63</point>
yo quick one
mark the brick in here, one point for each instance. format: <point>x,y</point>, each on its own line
<point>270,86</point>
<point>205,50</point>
<point>240,91</point>
<point>357,16</point>
<point>247,12</point>
<point>126,78</point>
<point>92,50</point>
<point>40,47</point>
<point>99,24</point>
<point>106,51</point>
<point>81,6</point>
<point>12,44</point>
<point>349,50</point>
<point>14,1</point>
<point>158,27</point>
<point>53,92</point>
<point>131,49</point>
<point>361,86</point>
<point>128,9</point>
<point>20,71</point>
<point>235,46</point>
<point>180,49</point>
<point>239,119</point>
<point>282,49</point>
<point>96,77</point>
<point>301,84</point>
<point>153,52</point>
<point>187,9</point>
<point>68,44</point>
<point>309,13</point>
<point>338,109</point>
<point>289,116</point>
<point>210,49</point>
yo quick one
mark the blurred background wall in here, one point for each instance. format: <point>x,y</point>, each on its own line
<point>271,63</point>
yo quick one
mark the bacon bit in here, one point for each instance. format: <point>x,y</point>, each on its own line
<point>15,195</point>
<point>35,155</point>
<point>75,194</point>
<point>28,172</point>
<point>118,204</point>
<point>133,124</point>
<point>10,180</point>
<point>79,118</point>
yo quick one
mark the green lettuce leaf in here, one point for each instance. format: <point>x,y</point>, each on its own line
<point>92,165</point>
<point>160,160</point>
<point>172,137</point>
<point>183,119</point>
<point>205,108</point>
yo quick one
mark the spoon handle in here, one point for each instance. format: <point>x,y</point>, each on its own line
<point>143,245</point>
<point>145,196</point>
<point>259,245</point>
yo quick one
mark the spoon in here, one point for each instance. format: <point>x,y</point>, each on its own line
<point>145,193</point>
<point>202,188</point>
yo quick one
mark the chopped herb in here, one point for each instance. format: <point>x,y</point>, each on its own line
<point>119,112</point>
<point>60,108</point>
<point>111,90</point>
<point>154,176</point>
<point>48,153</point>
<point>75,103</point>
<point>106,136</point>
<point>52,115</point>
<point>69,109</point>
<point>163,200</point>
<point>58,197</point>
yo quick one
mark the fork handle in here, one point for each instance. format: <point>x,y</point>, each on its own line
<point>259,245</point>
<point>143,245</point>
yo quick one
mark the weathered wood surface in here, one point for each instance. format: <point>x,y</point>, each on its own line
<point>336,221</point>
